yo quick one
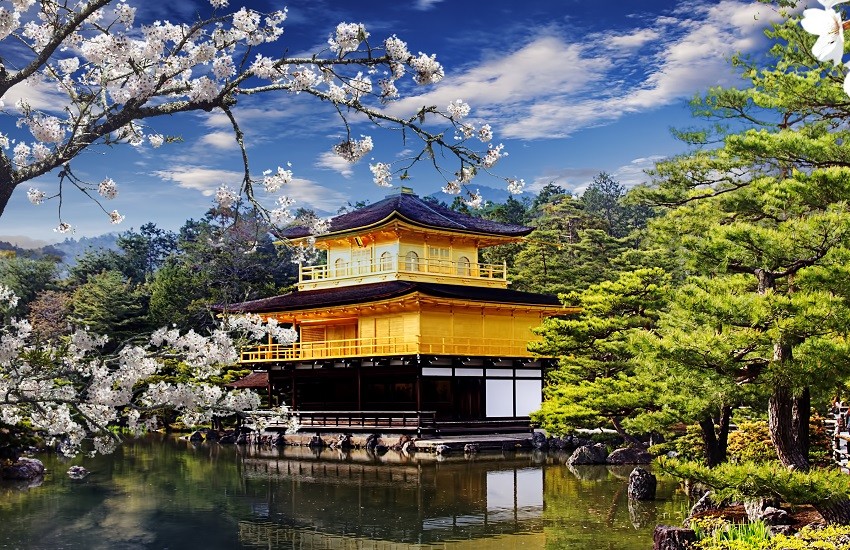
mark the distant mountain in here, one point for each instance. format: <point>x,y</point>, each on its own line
<point>490,194</point>
<point>71,249</point>
<point>66,251</point>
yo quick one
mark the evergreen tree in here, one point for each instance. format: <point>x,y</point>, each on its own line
<point>766,213</point>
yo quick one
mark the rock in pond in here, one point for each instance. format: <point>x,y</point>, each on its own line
<point>642,484</point>
<point>24,468</point>
<point>77,472</point>
<point>588,454</point>
<point>629,455</point>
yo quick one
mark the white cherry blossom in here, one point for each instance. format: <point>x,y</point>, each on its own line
<point>827,25</point>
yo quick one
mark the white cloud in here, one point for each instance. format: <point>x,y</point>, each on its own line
<point>331,161</point>
<point>633,40</point>
<point>552,86</point>
<point>41,96</point>
<point>425,5</point>
<point>307,193</point>
<point>200,178</point>
<point>633,173</point>
<point>220,140</point>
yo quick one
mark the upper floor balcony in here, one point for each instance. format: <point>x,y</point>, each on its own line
<point>410,268</point>
<point>408,344</point>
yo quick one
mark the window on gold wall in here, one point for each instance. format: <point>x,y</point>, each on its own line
<point>386,263</point>
<point>439,259</point>
<point>361,258</point>
<point>339,267</point>
<point>463,266</point>
<point>411,261</point>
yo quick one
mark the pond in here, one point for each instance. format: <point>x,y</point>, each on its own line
<point>162,492</point>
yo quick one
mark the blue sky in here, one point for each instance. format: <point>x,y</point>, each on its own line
<point>571,89</point>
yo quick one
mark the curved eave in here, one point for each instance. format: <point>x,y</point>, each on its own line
<point>349,233</point>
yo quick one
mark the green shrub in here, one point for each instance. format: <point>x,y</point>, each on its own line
<point>747,480</point>
<point>718,534</point>
<point>751,443</point>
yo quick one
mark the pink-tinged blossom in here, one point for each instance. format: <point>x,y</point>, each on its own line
<point>347,38</point>
<point>485,133</point>
<point>396,49</point>
<point>40,152</point>
<point>203,89</point>
<point>63,228</point>
<point>515,186</point>
<point>69,65</point>
<point>388,89</point>
<point>156,140</point>
<point>358,86</point>
<point>353,150</point>
<point>458,109</point>
<point>273,182</point>
<point>9,21</point>
<point>36,196</point>
<point>108,189</point>
<point>282,214</point>
<point>475,201</point>
<point>21,154</point>
<point>493,155</point>
<point>126,14</point>
<point>452,188</point>
<point>381,174</point>
<point>223,67</point>
<point>47,129</point>
<point>263,67</point>
<point>826,24</point>
<point>303,78</point>
<point>246,21</point>
<point>115,218</point>
<point>428,70</point>
<point>225,196</point>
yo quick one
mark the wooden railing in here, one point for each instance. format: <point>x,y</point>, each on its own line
<point>387,345</point>
<point>418,421</point>
<point>396,264</point>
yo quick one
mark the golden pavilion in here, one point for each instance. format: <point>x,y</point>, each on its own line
<point>404,329</point>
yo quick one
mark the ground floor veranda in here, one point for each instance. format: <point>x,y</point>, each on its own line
<point>434,394</point>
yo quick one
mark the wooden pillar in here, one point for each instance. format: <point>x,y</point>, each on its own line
<point>359,387</point>
<point>294,403</point>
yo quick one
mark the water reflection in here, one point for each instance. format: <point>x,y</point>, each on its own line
<point>158,494</point>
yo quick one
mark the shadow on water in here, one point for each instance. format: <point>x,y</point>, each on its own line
<point>166,493</point>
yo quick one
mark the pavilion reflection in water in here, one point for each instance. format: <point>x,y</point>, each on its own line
<point>356,500</point>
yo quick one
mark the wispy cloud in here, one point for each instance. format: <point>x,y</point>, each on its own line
<point>200,178</point>
<point>425,5</point>
<point>307,193</point>
<point>332,161</point>
<point>553,86</point>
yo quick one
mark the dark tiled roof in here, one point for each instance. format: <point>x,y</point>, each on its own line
<point>418,211</point>
<point>327,297</point>
<point>253,380</point>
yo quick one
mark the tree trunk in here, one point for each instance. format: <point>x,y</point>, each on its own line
<point>781,424</point>
<point>834,511</point>
<point>802,413</point>
<point>716,440</point>
<point>630,439</point>
<point>6,190</point>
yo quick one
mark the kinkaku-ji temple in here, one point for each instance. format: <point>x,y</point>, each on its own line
<point>403,329</point>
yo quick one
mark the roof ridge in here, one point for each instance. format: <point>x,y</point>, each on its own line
<point>448,219</point>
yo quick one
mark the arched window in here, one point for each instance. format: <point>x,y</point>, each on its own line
<point>339,267</point>
<point>463,266</point>
<point>411,261</point>
<point>386,261</point>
